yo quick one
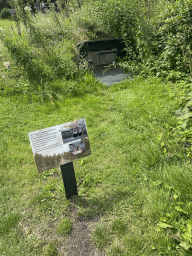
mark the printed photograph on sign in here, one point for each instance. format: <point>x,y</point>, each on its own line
<point>76,130</point>
<point>60,144</point>
<point>77,147</point>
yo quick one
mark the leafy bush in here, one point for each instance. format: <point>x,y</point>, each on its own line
<point>116,19</point>
<point>166,51</point>
<point>5,13</point>
<point>171,43</point>
<point>175,36</point>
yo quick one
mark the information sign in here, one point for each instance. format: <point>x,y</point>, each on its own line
<point>60,144</point>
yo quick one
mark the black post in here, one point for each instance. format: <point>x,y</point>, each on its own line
<point>68,175</point>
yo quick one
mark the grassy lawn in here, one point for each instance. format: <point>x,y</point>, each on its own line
<point>136,177</point>
<point>134,190</point>
<point>6,24</point>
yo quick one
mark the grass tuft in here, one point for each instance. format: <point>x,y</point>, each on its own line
<point>8,222</point>
<point>119,226</point>
<point>100,235</point>
<point>50,250</point>
<point>64,227</point>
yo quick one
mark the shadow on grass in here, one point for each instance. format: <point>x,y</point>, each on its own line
<point>8,222</point>
<point>94,208</point>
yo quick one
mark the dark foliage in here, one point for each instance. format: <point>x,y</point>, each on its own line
<point>5,13</point>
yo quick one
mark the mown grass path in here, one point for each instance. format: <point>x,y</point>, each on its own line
<point>135,168</point>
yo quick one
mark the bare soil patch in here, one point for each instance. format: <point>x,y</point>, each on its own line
<point>79,243</point>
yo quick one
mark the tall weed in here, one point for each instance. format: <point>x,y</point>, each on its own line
<point>40,57</point>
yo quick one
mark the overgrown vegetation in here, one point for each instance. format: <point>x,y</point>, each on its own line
<point>5,13</point>
<point>138,179</point>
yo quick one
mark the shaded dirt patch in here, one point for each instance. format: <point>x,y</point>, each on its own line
<point>78,243</point>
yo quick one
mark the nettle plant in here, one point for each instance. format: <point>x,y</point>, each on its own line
<point>164,43</point>
<point>175,37</point>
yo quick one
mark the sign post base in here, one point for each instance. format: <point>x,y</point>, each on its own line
<point>68,175</point>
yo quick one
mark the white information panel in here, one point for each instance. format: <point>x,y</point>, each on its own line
<point>60,144</point>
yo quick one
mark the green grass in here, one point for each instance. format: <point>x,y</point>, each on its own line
<point>64,227</point>
<point>50,250</point>
<point>136,183</point>
<point>6,24</point>
<point>137,175</point>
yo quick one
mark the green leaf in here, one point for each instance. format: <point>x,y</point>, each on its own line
<point>168,187</point>
<point>186,116</point>
<point>185,245</point>
<point>189,228</point>
<point>157,183</point>
<point>82,161</point>
<point>179,209</point>
<point>189,222</point>
<point>164,225</point>
<point>175,196</point>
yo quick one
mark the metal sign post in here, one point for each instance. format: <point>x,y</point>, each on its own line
<point>68,175</point>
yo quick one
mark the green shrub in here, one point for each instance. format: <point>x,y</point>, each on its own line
<point>5,13</point>
<point>175,34</point>
<point>173,40</point>
<point>115,18</point>
<point>163,46</point>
